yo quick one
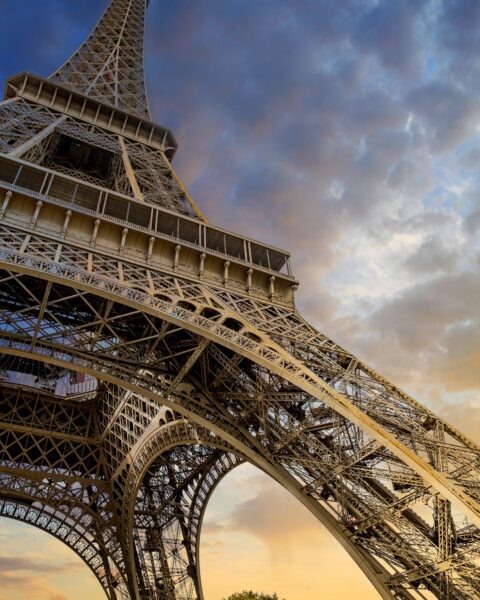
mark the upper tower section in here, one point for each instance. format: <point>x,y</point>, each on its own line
<point>109,64</point>
<point>82,162</point>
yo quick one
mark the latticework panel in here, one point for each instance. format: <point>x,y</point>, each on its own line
<point>168,512</point>
<point>79,515</point>
<point>129,388</point>
<point>33,133</point>
<point>32,409</point>
<point>286,398</point>
<point>20,121</point>
<point>109,64</point>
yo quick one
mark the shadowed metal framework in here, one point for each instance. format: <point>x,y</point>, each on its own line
<point>145,353</point>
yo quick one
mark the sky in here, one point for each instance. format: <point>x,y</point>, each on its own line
<point>345,131</point>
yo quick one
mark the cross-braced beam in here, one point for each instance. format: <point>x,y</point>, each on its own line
<point>145,353</point>
<point>109,64</point>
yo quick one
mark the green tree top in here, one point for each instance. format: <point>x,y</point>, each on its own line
<point>252,596</point>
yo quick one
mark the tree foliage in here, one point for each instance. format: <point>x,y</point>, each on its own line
<point>252,596</point>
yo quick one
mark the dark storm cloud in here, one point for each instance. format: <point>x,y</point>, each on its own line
<point>390,30</point>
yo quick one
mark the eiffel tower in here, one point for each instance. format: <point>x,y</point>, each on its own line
<point>145,353</point>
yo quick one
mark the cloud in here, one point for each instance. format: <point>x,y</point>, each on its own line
<point>472,222</point>
<point>36,566</point>
<point>459,35</point>
<point>449,113</point>
<point>464,415</point>
<point>433,257</point>
<point>390,32</point>
<point>423,314</point>
<point>12,564</point>
<point>271,542</point>
<point>267,516</point>
<point>271,514</point>
<point>30,586</point>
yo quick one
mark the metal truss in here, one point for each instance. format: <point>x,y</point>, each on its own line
<point>21,121</point>
<point>213,363</point>
<point>165,513</point>
<point>30,511</point>
<point>33,132</point>
<point>109,64</point>
<point>144,354</point>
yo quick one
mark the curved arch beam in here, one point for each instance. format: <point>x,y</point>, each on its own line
<point>183,433</point>
<point>166,508</point>
<point>170,437</point>
<point>54,523</point>
<point>234,339</point>
<point>67,358</point>
<point>203,492</point>
<point>180,403</point>
<point>260,350</point>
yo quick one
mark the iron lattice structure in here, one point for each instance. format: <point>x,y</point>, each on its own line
<point>145,353</point>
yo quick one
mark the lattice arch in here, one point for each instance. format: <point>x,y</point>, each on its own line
<point>145,351</point>
<point>31,512</point>
<point>319,473</point>
<point>166,491</point>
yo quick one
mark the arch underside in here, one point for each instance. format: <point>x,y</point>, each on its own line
<point>53,475</point>
<point>379,470</point>
<point>168,509</point>
<point>68,521</point>
<point>167,514</point>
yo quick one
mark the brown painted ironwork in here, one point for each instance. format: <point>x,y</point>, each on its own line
<point>144,353</point>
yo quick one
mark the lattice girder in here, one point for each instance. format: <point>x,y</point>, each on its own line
<point>75,514</point>
<point>109,64</point>
<point>34,133</point>
<point>144,353</point>
<point>171,478</point>
<point>20,121</point>
<point>33,409</point>
<point>405,413</point>
<point>130,320</point>
<point>281,436</point>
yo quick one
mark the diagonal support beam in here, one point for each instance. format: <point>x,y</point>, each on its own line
<point>192,359</point>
